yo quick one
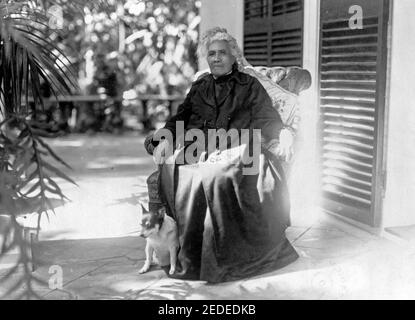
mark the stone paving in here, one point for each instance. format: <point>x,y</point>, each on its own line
<point>94,240</point>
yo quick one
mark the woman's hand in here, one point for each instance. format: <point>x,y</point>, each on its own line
<point>148,144</point>
<point>282,148</point>
<point>162,152</point>
<point>285,147</point>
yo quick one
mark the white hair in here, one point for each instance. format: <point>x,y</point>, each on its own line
<point>221,34</point>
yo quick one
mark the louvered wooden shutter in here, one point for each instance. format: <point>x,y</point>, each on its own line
<point>273,32</point>
<point>352,87</point>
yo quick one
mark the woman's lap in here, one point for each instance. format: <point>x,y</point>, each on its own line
<point>232,242</point>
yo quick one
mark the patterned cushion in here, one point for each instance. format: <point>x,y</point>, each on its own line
<point>292,79</point>
<point>283,86</point>
<point>284,101</point>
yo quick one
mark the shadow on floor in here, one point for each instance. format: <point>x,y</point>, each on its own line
<point>134,199</point>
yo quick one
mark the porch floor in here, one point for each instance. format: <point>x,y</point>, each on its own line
<point>336,261</point>
<point>94,241</point>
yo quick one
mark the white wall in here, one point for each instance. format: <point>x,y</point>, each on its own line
<point>304,182</point>
<point>223,13</point>
<point>399,202</point>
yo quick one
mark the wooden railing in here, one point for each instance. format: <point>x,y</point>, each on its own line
<point>82,100</point>
<point>103,97</point>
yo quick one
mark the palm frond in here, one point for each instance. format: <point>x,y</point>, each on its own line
<point>28,54</point>
<point>28,166</point>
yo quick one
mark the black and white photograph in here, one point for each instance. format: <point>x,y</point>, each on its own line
<point>209,150</point>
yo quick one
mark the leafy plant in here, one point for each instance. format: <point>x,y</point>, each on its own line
<point>28,55</point>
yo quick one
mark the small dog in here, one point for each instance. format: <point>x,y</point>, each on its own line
<point>160,231</point>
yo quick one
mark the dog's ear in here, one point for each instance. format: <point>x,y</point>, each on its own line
<point>143,209</point>
<point>161,211</point>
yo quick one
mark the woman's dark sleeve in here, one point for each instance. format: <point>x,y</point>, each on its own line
<point>264,116</point>
<point>183,114</point>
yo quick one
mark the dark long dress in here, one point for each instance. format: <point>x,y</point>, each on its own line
<point>231,225</point>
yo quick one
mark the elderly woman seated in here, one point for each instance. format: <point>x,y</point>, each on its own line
<point>220,175</point>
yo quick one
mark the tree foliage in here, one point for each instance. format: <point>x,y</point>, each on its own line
<point>151,45</point>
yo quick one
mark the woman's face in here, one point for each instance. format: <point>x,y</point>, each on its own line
<point>219,58</point>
